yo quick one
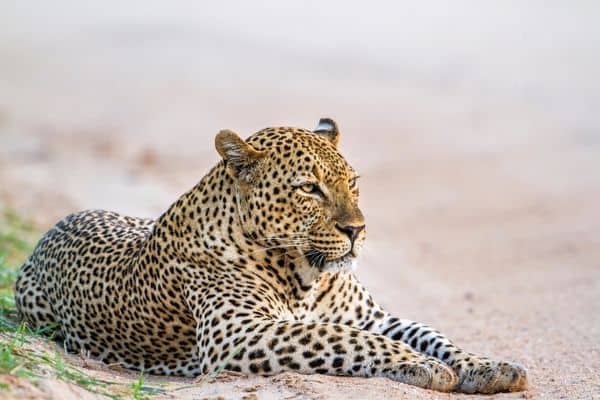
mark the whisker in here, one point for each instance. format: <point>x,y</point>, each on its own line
<point>284,235</point>
<point>297,258</point>
<point>291,245</point>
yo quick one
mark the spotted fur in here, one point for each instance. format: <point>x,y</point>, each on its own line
<point>251,269</point>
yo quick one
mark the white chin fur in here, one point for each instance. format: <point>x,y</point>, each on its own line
<point>347,262</point>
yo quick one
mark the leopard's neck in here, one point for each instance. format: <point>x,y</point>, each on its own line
<point>203,229</point>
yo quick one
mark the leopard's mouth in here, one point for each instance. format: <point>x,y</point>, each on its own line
<point>318,259</point>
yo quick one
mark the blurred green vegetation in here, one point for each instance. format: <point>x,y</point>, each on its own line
<point>17,238</point>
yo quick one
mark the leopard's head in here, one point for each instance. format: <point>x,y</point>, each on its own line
<point>296,192</point>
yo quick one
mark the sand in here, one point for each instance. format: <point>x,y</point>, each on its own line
<point>476,136</point>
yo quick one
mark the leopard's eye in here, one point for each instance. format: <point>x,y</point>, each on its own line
<point>352,183</point>
<point>311,188</point>
<point>308,187</point>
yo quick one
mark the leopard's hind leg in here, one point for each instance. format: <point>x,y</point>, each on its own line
<point>31,301</point>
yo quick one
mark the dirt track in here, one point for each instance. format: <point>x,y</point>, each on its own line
<point>481,183</point>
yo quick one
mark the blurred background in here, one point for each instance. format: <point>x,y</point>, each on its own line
<point>474,125</point>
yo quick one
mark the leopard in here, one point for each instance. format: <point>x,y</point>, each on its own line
<point>250,271</point>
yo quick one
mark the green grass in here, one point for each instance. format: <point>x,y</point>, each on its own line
<point>138,390</point>
<point>16,242</point>
<point>31,355</point>
<point>17,237</point>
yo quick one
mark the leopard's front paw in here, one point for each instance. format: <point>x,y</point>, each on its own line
<point>487,376</point>
<point>428,373</point>
<point>444,378</point>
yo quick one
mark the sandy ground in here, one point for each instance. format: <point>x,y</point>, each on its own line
<point>475,130</point>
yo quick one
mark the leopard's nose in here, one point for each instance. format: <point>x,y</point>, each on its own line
<point>351,231</point>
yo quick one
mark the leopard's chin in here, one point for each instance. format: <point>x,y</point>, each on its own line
<point>347,262</point>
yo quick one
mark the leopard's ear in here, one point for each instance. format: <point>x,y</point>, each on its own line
<point>241,159</point>
<point>328,128</point>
